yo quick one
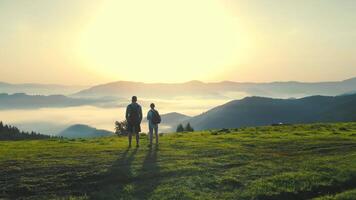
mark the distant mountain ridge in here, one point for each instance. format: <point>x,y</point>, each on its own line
<point>220,89</point>
<point>172,119</point>
<point>24,101</point>
<point>258,111</point>
<point>39,89</point>
<point>191,88</point>
<point>83,131</point>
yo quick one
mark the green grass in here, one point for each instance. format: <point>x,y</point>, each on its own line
<point>316,161</point>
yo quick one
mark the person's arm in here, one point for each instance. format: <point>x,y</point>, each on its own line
<point>140,114</point>
<point>149,116</point>
<point>127,113</point>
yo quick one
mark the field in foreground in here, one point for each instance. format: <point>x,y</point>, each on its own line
<point>282,162</point>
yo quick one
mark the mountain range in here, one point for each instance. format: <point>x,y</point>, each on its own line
<point>226,89</point>
<point>283,102</point>
<point>258,111</point>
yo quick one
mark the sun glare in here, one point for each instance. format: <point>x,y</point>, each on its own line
<point>162,40</point>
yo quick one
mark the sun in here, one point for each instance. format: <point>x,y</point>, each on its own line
<point>160,40</point>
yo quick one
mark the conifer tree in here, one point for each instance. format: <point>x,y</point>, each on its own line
<point>180,128</point>
<point>188,128</point>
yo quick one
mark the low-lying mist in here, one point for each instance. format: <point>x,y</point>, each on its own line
<point>53,120</point>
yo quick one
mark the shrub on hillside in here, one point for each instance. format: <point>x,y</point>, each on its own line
<point>121,127</point>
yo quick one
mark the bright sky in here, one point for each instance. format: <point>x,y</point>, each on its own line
<point>96,41</point>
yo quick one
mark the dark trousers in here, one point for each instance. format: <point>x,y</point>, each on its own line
<point>134,132</point>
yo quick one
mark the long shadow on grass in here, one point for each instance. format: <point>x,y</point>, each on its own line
<point>120,171</point>
<point>149,177</point>
<point>120,183</point>
<point>112,184</point>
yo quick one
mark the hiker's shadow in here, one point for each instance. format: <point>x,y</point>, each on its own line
<point>113,182</point>
<point>121,170</point>
<point>149,177</point>
<point>121,183</point>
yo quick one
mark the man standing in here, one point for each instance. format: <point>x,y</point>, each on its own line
<point>134,118</point>
<point>154,119</point>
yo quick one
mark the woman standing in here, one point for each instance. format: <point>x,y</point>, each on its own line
<point>153,119</point>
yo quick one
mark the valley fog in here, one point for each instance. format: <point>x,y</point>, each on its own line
<point>51,121</point>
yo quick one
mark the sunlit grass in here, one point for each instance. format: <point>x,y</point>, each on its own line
<point>279,162</point>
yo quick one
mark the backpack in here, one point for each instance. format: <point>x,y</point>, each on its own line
<point>133,114</point>
<point>156,118</point>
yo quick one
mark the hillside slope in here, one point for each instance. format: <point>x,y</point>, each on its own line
<point>83,131</point>
<point>284,162</point>
<point>8,132</point>
<point>172,119</point>
<point>257,111</point>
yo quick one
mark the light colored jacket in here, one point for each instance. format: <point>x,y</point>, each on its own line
<point>150,117</point>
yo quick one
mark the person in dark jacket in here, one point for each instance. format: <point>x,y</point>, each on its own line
<point>134,118</point>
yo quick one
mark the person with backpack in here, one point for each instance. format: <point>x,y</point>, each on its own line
<point>134,118</point>
<point>153,119</point>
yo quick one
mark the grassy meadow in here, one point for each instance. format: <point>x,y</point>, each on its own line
<point>314,161</point>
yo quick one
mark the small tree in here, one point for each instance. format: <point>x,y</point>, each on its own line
<point>180,128</point>
<point>121,127</point>
<point>188,128</point>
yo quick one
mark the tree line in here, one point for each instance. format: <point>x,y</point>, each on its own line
<point>8,132</point>
<point>186,128</point>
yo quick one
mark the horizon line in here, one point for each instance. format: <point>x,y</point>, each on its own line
<point>183,82</point>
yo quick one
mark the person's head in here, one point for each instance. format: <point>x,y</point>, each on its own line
<point>134,99</point>
<point>152,105</point>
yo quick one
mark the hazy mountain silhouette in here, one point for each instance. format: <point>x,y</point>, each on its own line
<point>257,111</point>
<point>171,119</point>
<point>39,89</point>
<point>24,101</point>
<point>174,117</point>
<point>220,89</point>
<point>83,131</point>
<point>155,90</point>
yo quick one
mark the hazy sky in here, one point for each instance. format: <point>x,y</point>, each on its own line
<point>96,41</point>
